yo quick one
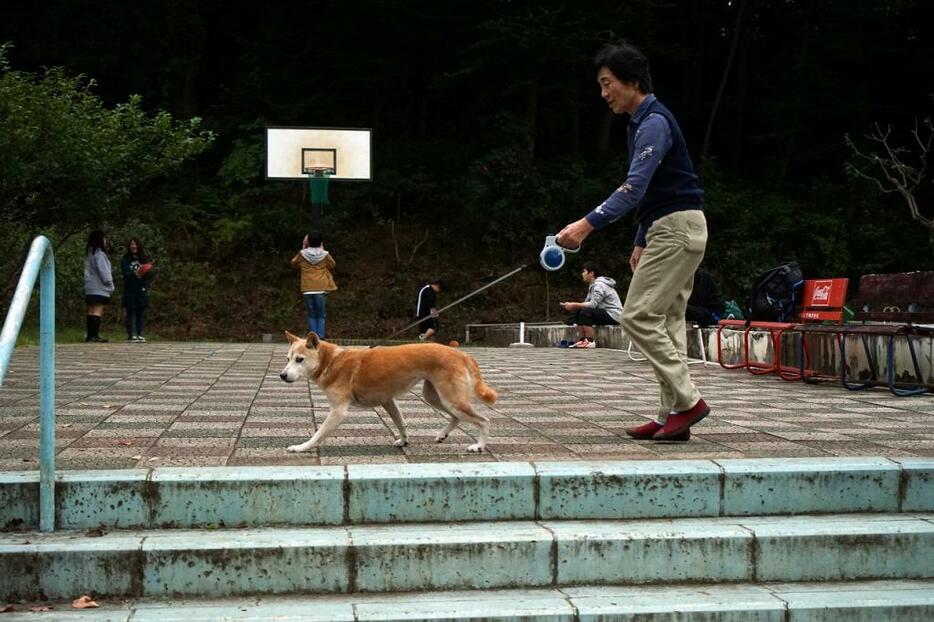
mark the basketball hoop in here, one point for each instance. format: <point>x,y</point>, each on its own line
<point>320,154</point>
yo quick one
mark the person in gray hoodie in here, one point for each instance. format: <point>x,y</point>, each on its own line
<point>602,306</point>
<point>98,283</point>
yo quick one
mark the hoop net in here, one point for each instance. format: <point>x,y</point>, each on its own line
<point>318,184</point>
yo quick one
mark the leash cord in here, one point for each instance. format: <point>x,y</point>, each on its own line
<point>457,302</point>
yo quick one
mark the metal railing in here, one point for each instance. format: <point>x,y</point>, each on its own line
<point>39,263</point>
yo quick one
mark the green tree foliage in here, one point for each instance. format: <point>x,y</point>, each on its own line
<point>68,160</point>
<point>488,130</point>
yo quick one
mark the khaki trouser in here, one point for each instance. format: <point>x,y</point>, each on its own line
<point>653,315</point>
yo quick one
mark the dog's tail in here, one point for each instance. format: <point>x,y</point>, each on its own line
<point>481,389</point>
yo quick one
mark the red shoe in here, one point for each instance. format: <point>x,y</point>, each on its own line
<point>647,431</point>
<point>681,422</point>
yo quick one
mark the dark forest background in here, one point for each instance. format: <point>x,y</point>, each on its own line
<point>147,118</point>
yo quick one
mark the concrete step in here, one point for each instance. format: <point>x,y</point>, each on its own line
<point>870,601</point>
<point>480,555</point>
<point>358,494</point>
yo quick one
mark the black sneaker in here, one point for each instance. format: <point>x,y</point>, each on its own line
<point>96,340</point>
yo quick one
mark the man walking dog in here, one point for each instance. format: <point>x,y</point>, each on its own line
<point>663,190</point>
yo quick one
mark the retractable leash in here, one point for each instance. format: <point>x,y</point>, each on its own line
<point>458,301</point>
<point>551,258</point>
<point>552,255</point>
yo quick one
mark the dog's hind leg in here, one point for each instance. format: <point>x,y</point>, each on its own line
<point>443,434</point>
<point>393,411</point>
<point>335,417</point>
<point>434,400</point>
<point>454,394</point>
<point>481,421</point>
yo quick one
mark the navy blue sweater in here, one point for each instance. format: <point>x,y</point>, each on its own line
<point>661,178</point>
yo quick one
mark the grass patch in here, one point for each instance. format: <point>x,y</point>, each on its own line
<point>29,335</point>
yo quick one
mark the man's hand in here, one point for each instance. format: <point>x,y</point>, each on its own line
<point>574,234</point>
<point>305,242</point>
<point>571,306</point>
<point>634,258</point>
<point>434,313</point>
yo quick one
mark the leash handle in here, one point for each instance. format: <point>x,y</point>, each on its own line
<point>567,249</point>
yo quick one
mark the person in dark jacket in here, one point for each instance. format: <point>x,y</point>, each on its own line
<point>425,309</point>
<point>98,283</point>
<point>705,306</point>
<point>135,289</point>
<point>663,191</point>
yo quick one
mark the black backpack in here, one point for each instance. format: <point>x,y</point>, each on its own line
<point>773,297</point>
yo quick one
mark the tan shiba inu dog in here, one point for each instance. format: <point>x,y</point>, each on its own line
<point>374,377</point>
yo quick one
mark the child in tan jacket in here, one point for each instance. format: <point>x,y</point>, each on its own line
<point>315,264</point>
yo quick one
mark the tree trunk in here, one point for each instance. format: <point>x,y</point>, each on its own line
<point>737,35</point>
<point>185,40</point>
<point>603,142</point>
<point>739,116</point>
<point>795,121</point>
<point>531,117</point>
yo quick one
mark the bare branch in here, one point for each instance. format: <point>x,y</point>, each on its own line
<point>395,242</point>
<point>892,161</point>
<point>924,146</point>
<point>416,247</point>
<point>917,215</point>
<point>892,168</point>
<point>876,180</point>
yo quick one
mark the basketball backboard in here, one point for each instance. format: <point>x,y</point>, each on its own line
<point>294,152</point>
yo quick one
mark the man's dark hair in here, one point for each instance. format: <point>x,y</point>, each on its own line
<point>627,62</point>
<point>590,266</point>
<point>314,239</point>
<point>436,281</point>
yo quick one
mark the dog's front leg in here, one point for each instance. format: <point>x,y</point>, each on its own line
<point>338,413</point>
<point>393,411</point>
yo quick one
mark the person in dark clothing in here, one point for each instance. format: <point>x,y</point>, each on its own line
<point>425,309</point>
<point>705,306</point>
<point>135,289</point>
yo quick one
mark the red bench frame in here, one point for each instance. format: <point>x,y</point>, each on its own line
<point>822,300</point>
<point>888,306</point>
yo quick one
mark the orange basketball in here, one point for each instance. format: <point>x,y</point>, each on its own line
<point>144,268</point>
<point>453,343</point>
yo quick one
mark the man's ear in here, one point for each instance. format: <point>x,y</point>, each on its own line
<point>312,340</point>
<point>292,338</point>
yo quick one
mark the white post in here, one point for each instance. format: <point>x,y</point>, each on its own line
<point>521,343</point>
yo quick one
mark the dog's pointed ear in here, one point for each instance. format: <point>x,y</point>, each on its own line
<point>312,340</point>
<point>292,338</point>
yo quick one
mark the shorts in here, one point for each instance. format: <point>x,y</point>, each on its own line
<point>589,316</point>
<point>94,299</point>
<point>428,322</point>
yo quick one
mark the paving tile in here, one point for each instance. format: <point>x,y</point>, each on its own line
<point>211,396</point>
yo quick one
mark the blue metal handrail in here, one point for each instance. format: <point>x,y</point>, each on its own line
<point>41,263</point>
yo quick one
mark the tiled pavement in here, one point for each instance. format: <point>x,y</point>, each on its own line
<point>171,404</point>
